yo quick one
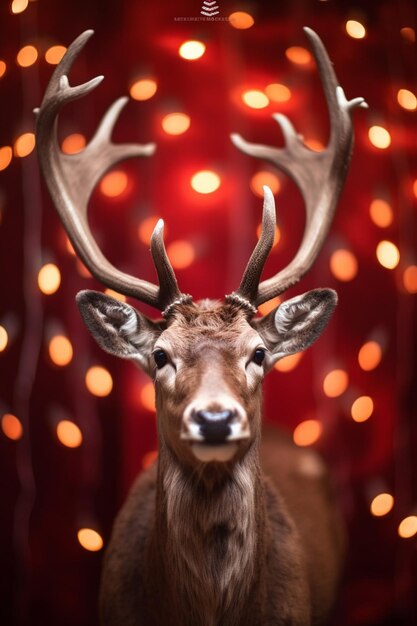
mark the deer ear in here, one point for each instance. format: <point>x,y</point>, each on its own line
<point>295,324</point>
<point>117,327</point>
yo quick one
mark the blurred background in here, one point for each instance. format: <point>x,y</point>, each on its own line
<point>76,425</point>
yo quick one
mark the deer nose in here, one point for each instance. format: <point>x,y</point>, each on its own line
<point>214,425</point>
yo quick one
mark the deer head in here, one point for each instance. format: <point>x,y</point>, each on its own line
<point>207,359</point>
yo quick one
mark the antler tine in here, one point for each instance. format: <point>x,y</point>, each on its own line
<point>71,179</point>
<point>319,175</point>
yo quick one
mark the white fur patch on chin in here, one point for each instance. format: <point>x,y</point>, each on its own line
<point>207,454</point>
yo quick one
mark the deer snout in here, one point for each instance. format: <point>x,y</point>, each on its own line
<point>215,426</point>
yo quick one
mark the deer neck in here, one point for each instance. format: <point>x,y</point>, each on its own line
<point>211,528</point>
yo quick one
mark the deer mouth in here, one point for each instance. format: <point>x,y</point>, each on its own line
<point>209,452</point>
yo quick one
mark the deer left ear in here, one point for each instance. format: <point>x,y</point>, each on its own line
<point>295,324</point>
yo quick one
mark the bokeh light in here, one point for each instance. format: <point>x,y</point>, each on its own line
<point>307,433</point>
<point>267,307</point>
<point>11,426</point>
<point>149,458</point>
<point>255,99</point>
<point>388,254</point>
<point>98,381</point>
<point>69,434</point>
<point>115,294</point>
<point>3,68</point>
<point>73,143</point>
<point>49,279</point>
<point>192,50</point>
<point>362,409</point>
<point>381,213</point>
<point>370,355</point>
<point>143,89</point>
<point>382,504</point>
<point>27,56</point>
<point>147,397</point>
<point>355,29</point>
<point>114,184</point>
<point>90,539</point>
<point>335,383</point>
<point>277,92</point>
<point>298,55</point>
<point>205,181</point>
<point>60,350</point>
<point>408,34</point>
<point>262,178</point>
<point>407,99</point>
<point>146,228</point>
<point>343,265</point>
<point>4,338</point>
<point>181,254</point>
<point>241,20</point>
<point>410,279</point>
<point>24,145</point>
<point>176,123</point>
<point>408,527</point>
<point>54,54</point>
<point>379,137</point>
<point>288,363</point>
<point>277,234</point>
<point>18,6</point>
<point>5,157</point>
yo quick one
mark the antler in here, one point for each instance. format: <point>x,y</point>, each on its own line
<point>319,176</point>
<point>72,178</point>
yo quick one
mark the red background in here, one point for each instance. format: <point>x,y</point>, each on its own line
<point>50,491</point>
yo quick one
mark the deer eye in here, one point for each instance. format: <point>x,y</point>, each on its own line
<point>160,358</point>
<point>258,356</point>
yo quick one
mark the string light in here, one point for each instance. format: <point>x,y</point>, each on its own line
<point>69,434</point>
<point>307,433</point>
<point>143,89</point>
<point>192,50</point>
<point>267,307</point>
<point>362,409</point>
<point>90,539</point>
<point>73,143</point>
<point>335,383</point>
<point>379,137</point>
<point>407,99</point>
<point>277,92</point>
<point>241,20</point>
<point>146,229</point>
<point>288,363</point>
<point>181,254</point>
<point>255,99</point>
<point>5,157</point>
<point>147,397</point>
<point>115,294</point>
<point>408,527</point>
<point>298,55</point>
<point>355,29</point>
<point>4,338</point>
<point>410,278</point>
<point>18,6</point>
<point>27,56</point>
<point>24,145</point>
<point>260,179</point>
<point>60,350</point>
<point>176,123</point>
<point>388,254</point>
<point>205,181</point>
<point>277,234</point>
<point>382,504</point>
<point>54,54</point>
<point>343,265</point>
<point>370,355</point>
<point>114,184</point>
<point>49,279</point>
<point>11,426</point>
<point>381,213</point>
<point>98,381</point>
<point>3,68</point>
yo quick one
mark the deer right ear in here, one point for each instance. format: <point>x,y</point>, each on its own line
<point>118,328</point>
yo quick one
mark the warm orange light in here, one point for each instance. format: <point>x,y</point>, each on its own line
<point>407,99</point>
<point>18,6</point>
<point>4,338</point>
<point>3,68</point>
<point>73,143</point>
<point>60,350</point>
<point>81,269</point>
<point>49,279</point>
<point>381,213</point>
<point>278,92</point>
<point>205,181</point>
<point>379,137</point>
<point>408,527</point>
<point>277,234</point>
<point>388,254</point>
<point>54,54</point>
<point>149,458</point>
<point>90,539</point>
<point>98,381</point>
<point>5,157</point>
<point>307,433</point>
<point>27,56</point>
<point>260,179</point>
<point>192,50</point>
<point>355,29</point>
<point>146,228</point>
<point>382,504</point>
<point>115,294</point>
<point>343,265</point>
<point>11,426</point>
<point>408,34</point>
<point>241,20</point>
<point>298,55</point>
<point>288,363</point>
<point>143,89</point>
<point>147,397</point>
<point>362,409</point>
<point>335,383</point>
<point>410,278</point>
<point>69,434</point>
<point>114,184</point>
<point>370,355</point>
<point>176,123</point>
<point>255,99</point>
<point>181,254</point>
<point>24,145</point>
<point>267,307</point>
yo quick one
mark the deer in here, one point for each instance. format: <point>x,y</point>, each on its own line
<point>229,526</point>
